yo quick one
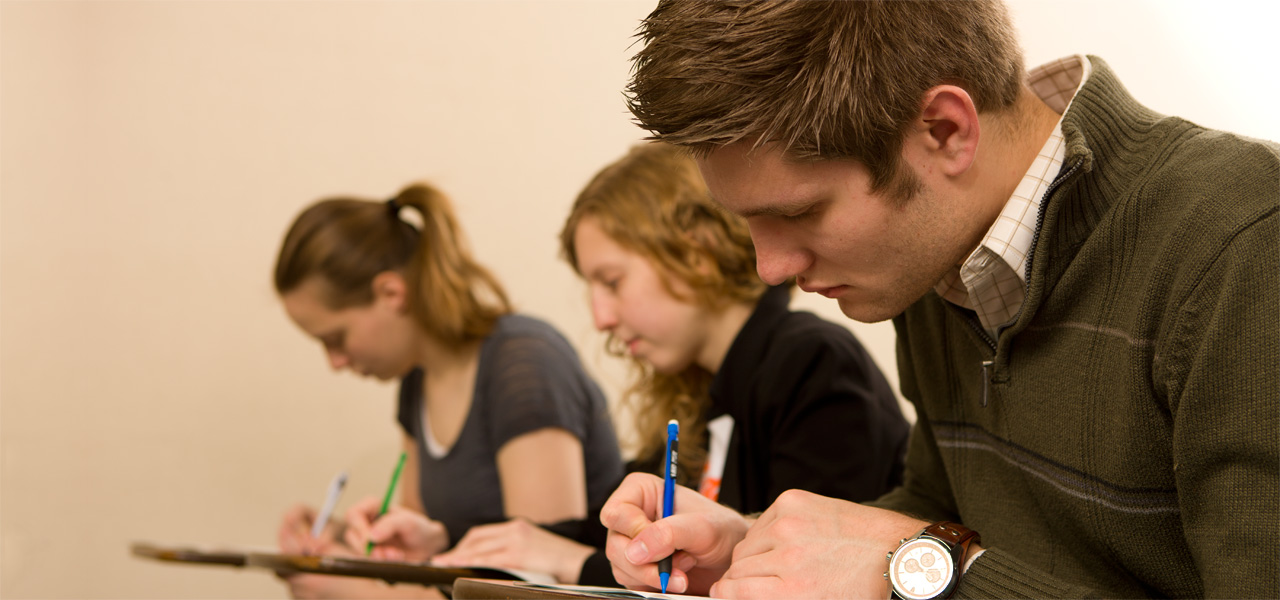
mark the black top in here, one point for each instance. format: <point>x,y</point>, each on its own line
<point>810,409</point>
<point>528,378</point>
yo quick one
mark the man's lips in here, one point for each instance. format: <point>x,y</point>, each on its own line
<point>830,292</point>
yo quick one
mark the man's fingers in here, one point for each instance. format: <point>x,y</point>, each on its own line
<point>634,505</point>
<point>764,563</point>
<point>748,588</point>
<point>653,543</point>
<point>645,577</point>
<point>696,533</point>
<point>678,583</point>
<point>682,561</point>
<point>625,519</point>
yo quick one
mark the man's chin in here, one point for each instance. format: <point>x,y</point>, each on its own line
<point>866,311</point>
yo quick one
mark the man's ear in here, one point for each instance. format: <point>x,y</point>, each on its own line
<point>390,287</point>
<point>949,129</point>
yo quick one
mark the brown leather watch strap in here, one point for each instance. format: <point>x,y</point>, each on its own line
<point>954,534</point>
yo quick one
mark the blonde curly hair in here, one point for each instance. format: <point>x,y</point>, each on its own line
<point>654,203</point>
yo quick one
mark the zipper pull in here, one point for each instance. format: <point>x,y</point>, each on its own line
<point>986,381</point>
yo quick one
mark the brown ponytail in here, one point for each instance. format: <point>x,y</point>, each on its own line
<point>349,241</point>
<point>454,298</point>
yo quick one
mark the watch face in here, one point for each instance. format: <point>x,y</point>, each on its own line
<point>921,569</point>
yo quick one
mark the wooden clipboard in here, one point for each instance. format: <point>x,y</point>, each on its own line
<point>389,571</point>
<point>189,554</point>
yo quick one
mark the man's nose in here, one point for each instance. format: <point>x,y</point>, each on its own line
<point>778,258</point>
<point>338,359</point>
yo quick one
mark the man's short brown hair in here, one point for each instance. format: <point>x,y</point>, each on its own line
<point>826,80</point>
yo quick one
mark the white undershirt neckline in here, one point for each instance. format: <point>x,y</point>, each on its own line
<point>435,449</point>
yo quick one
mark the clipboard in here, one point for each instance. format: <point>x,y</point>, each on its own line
<point>494,589</point>
<point>189,554</point>
<point>388,571</point>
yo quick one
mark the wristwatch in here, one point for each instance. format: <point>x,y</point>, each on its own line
<point>927,565</point>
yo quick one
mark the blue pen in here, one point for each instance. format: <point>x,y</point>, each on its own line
<point>669,492</point>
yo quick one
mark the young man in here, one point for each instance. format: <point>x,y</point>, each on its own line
<point>1085,292</point>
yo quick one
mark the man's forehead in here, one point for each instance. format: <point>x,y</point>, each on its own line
<point>741,151</point>
<point>752,150</point>
<point>750,180</point>
<point>737,163</point>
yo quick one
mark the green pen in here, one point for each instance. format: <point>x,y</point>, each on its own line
<point>386,501</point>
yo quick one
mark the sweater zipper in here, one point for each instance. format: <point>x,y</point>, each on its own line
<point>988,365</point>
<point>986,381</point>
<point>1035,235</point>
<point>977,328</point>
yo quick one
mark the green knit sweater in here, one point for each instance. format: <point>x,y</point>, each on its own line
<point>1122,437</point>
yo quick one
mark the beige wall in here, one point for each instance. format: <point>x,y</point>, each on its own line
<point>151,154</point>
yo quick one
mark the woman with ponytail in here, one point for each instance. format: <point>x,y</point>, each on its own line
<point>500,421</point>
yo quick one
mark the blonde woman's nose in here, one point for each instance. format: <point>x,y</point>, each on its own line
<point>603,312</point>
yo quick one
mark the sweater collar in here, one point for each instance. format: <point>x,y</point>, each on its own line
<point>1107,134</point>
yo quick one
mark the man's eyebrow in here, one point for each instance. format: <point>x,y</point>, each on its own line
<point>777,210</point>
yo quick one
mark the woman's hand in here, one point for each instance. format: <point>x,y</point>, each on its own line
<point>400,534</point>
<point>518,544</point>
<point>294,535</point>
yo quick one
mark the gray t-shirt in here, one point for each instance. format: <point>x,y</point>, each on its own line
<point>529,378</point>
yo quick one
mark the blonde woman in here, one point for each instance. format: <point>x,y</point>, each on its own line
<point>768,399</point>
<point>499,419</point>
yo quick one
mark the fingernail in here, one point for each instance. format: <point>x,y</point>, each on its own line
<point>637,553</point>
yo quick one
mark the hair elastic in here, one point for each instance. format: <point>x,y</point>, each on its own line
<point>393,208</point>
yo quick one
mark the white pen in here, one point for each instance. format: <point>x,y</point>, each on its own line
<point>335,490</point>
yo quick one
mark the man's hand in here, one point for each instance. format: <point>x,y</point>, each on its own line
<point>699,537</point>
<point>811,546</point>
